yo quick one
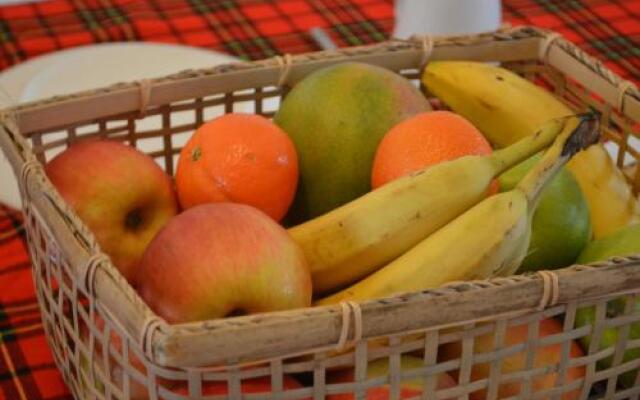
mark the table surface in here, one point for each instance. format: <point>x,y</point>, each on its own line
<point>609,30</point>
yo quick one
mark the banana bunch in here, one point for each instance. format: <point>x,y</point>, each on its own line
<point>356,239</point>
<point>489,239</point>
<point>506,107</point>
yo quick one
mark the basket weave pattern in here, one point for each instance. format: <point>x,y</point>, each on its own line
<point>110,345</point>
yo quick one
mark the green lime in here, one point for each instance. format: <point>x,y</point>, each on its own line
<point>561,227</point>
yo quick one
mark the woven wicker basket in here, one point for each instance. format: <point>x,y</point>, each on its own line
<point>109,345</point>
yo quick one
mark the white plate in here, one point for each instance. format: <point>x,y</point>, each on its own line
<point>89,67</point>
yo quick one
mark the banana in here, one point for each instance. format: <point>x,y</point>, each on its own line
<point>612,204</point>
<point>354,240</point>
<point>489,239</point>
<point>506,107</point>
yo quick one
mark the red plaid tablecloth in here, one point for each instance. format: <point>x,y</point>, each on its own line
<point>250,29</point>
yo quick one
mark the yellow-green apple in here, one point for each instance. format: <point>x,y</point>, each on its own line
<point>221,259</point>
<point>611,336</point>
<point>623,242</point>
<point>547,356</point>
<point>253,385</point>
<point>410,388</point>
<point>120,193</point>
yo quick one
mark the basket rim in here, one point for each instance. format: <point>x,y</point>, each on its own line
<point>549,39</point>
<point>164,343</point>
<point>392,44</point>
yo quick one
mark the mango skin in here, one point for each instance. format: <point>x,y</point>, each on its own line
<point>336,118</point>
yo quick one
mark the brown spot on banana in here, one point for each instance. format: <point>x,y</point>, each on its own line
<point>584,135</point>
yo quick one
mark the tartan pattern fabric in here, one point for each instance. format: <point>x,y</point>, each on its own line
<point>250,29</point>
<point>254,29</point>
<point>27,370</point>
<point>607,29</point>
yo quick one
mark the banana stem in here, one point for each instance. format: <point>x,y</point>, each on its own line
<point>579,133</point>
<point>507,157</point>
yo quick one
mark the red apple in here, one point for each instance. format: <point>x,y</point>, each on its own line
<point>410,388</point>
<point>254,385</point>
<point>544,356</point>
<point>121,194</point>
<point>221,259</point>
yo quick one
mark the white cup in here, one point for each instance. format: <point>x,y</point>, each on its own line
<point>446,17</point>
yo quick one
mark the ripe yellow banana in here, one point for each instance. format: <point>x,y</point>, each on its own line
<point>354,240</point>
<point>506,107</point>
<point>489,239</point>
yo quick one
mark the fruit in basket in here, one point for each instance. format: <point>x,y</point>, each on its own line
<point>336,117</point>
<point>612,204</point>
<point>622,243</point>
<point>544,357</point>
<point>354,240</point>
<point>121,194</point>
<point>489,239</point>
<point>409,388</point>
<point>424,140</point>
<point>240,158</point>
<point>611,336</point>
<point>501,104</point>
<point>222,259</point>
<point>252,385</point>
<point>88,385</point>
<point>560,228</point>
<point>506,107</point>
<point>137,388</point>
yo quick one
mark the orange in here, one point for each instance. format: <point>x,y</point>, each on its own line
<point>240,158</point>
<point>424,140</point>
